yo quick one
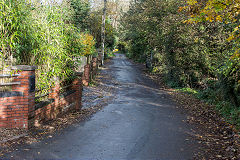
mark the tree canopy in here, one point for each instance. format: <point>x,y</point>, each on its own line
<point>193,43</point>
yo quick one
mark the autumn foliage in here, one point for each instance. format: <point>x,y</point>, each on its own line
<point>218,11</point>
<point>88,44</point>
<point>193,44</point>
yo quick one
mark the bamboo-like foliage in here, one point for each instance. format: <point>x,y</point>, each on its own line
<point>13,29</point>
<point>44,35</point>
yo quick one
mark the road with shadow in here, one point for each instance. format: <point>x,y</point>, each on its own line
<point>141,123</point>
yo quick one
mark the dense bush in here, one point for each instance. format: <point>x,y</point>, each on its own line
<point>46,35</point>
<point>14,20</point>
<point>197,54</point>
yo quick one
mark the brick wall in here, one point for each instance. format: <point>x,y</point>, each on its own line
<point>94,66</point>
<point>90,70</point>
<point>18,108</point>
<point>61,102</point>
<point>86,75</point>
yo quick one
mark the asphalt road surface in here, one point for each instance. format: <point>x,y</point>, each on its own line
<point>142,123</point>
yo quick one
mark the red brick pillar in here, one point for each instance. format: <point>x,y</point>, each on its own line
<point>91,70</point>
<point>55,109</point>
<point>22,108</point>
<point>100,58</point>
<point>94,65</point>
<point>86,75</point>
<point>77,86</point>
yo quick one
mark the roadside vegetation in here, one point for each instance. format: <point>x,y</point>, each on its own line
<point>50,35</point>
<point>193,44</point>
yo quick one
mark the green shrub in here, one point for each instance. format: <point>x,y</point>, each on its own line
<point>45,35</point>
<point>188,55</point>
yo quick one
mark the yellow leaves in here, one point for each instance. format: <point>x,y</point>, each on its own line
<point>88,44</point>
<point>115,50</point>
<point>236,56</point>
<point>230,38</point>
<point>180,9</point>
<point>236,28</point>
<point>191,2</point>
<point>210,18</point>
<point>196,40</point>
<point>214,11</point>
<point>233,35</point>
<point>219,18</point>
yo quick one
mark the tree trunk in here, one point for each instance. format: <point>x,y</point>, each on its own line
<point>103,28</point>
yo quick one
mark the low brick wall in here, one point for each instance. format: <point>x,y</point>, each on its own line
<point>90,70</point>
<point>18,108</point>
<point>94,66</point>
<point>13,110</point>
<point>54,108</point>
<point>86,75</point>
<point>59,103</point>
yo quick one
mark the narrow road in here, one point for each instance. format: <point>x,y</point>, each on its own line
<point>142,123</point>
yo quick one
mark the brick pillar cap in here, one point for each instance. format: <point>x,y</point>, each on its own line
<point>24,67</point>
